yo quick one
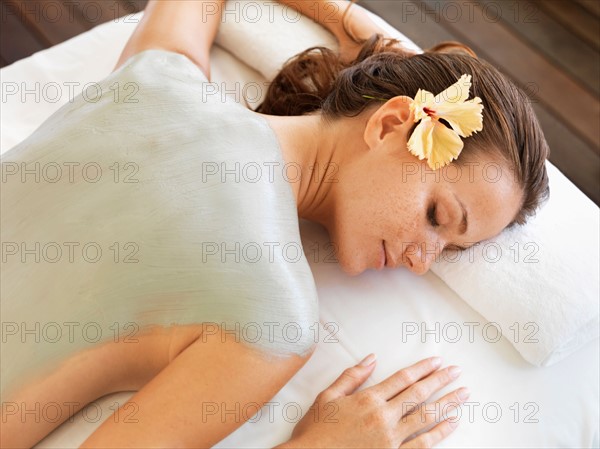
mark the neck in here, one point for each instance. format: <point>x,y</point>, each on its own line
<point>312,151</point>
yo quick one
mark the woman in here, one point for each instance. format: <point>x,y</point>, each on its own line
<point>178,219</point>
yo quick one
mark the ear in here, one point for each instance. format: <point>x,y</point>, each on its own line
<point>393,116</point>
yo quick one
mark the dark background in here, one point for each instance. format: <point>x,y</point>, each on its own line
<point>551,48</point>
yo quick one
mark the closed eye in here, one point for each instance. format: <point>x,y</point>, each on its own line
<point>433,220</point>
<point>455,247</point>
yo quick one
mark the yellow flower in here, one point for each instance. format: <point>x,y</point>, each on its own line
<point>431,139</point>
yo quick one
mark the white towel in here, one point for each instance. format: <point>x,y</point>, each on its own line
<point>278,33</point>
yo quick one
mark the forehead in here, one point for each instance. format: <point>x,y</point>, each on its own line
<point>489,193</point>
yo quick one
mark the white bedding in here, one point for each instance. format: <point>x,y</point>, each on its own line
<point>512,404</point>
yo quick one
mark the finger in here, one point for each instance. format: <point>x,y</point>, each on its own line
<point>404,378</point>
<point>351,379</point>
<point>427,415</point>
<point>433,437</point>
<point>422,390</point>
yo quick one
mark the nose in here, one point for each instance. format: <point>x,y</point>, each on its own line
<point>420,256</point>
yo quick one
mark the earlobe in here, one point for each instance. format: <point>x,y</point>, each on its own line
<point>394,115</point>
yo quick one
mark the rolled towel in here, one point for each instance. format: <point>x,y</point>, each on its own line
<point>276,33</point>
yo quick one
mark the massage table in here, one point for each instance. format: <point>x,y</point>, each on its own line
<point>399,316</point>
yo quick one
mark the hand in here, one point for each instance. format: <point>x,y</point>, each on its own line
<point>387,415</point>
<point>330,14</point>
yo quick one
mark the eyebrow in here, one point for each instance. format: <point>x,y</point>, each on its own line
<point>464,224</point>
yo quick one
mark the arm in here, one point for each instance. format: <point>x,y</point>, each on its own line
<point>349,24</point>
<point>188,27</point>
<point>327,13</point>
<point>186,404</point>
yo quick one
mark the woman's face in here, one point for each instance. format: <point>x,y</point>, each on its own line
<point>388,199</point>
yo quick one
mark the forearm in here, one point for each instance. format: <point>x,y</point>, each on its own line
<point>183,26</point>
<point>327,13</point>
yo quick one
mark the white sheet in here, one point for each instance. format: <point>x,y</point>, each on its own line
<point>374,312</point>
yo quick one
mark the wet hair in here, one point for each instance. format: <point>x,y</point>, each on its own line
<point>317,80</point>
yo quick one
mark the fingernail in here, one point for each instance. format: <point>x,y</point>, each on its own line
<point>463,394</point>
<point>368,360</point>
<point>454,372</point>
<point>453,424</point>
<point>436,362</point>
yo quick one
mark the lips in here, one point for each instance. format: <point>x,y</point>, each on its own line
<point>382,257</point>
<point>388,259</point>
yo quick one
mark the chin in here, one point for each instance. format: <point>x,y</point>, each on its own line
<point>353,271</point>
<point>350,264</point>
<point>350,267</point>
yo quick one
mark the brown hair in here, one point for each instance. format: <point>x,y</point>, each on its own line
<point>316,79</point>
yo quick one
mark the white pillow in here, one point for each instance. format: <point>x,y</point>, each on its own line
<point>537,282</point>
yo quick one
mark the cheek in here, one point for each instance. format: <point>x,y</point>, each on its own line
<point>373,208</point>
<point>359,225</point>
<point>348,234</point>
<point>405,215</point>
<point>408,229</point>
<point>413,227</point>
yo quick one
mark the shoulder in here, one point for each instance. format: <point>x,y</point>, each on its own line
<point>154,63</point>
<point>154,79</point>
<point>164,80</point>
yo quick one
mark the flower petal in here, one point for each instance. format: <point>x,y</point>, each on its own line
<point>465,118</point>
<point>446,146</point>
<point>457,93</point>
<point>422,99</point>
<point>421,143</point>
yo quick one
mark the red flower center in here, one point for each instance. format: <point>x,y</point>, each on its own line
<point>429,112</point>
